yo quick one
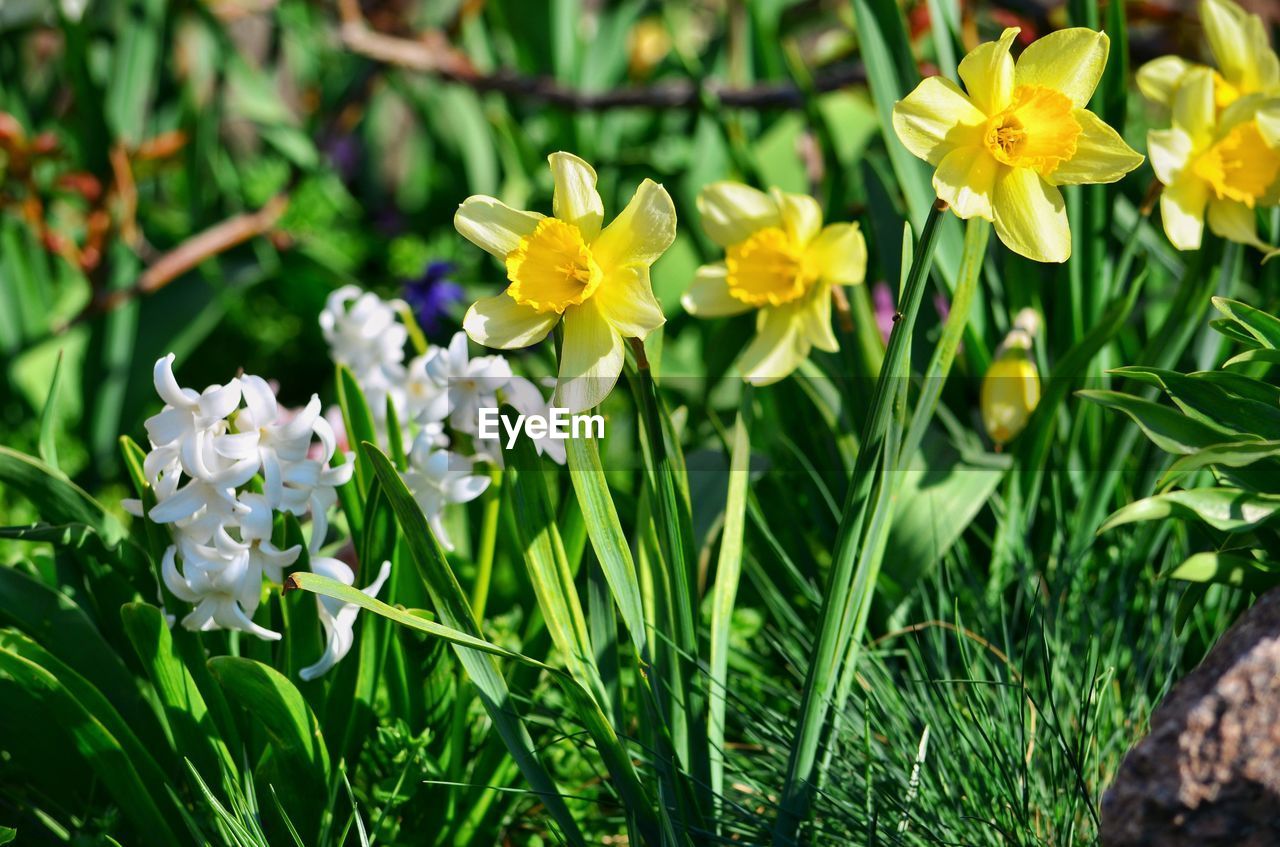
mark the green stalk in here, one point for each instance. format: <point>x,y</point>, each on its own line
<point>725,592</point>
<point>976,234</point>
<point>488,543</point>
<point>837,612</point>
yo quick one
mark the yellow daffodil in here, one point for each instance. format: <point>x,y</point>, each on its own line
<point>1022,130</point>
<point>781,261</point>
<point>569,267</point>
<point>1214,166</point>
<point>1245,62</point>
<point>1011,387</point>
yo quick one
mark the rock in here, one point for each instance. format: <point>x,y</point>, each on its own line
<point>1208,773</point>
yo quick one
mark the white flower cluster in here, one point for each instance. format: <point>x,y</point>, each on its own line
<point>206,450</point>
<point>437,393</point>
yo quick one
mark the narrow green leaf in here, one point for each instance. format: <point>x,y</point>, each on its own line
<point>49,418</point>
<point>357,418</point>
<point>1262,326</point>
<point>1227,569</point>
<point>1226,509</point>
<point>1171,430</point>
<point>455,612</point>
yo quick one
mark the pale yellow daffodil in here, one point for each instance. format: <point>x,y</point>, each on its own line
<point>781,261</point>
<point>570,267</point>
<point>1214,166</point>
<point>1022,130</point>
<point>1242,53</point>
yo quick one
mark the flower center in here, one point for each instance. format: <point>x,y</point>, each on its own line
<point>1037,131</point>
<point>1240,166</point>
<point>768,269</point>
<point>552,268</point>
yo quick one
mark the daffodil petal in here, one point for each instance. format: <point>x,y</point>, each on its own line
<point>840,254</point>
<point>576,200</point>
<point>643,231</point>
<point>1194,110</point>
<point>709,297</point>
<point>1101,154</point>
<point>1030,216</point>
<point>590,359</point>
<point>1160,78</point>
<point>966,178</point>
<point>778,347</point>
<point>816,320</point>
<point>1238,41</point>
<point>492,225</point>
<point>801,215</point>
<point>987,73</point>
<point>626,300</point>
<point>1182,206</point>
<point>1170,151</point>
<point>1235,222</point>
<point>502,323</point>
<point>731,212</point>
<point>936,118</point>
<point>1069,60</point>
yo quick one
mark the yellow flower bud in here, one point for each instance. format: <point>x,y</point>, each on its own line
<point>1011,388</point>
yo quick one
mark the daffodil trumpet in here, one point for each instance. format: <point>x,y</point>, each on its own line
<point>1003,146</point>
<point>569,268</point>
<point>781,262</point>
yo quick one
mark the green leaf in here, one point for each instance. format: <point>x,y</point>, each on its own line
<point>7,835</point>
<point>1226,509</point>
<point>1227,569</point>
<point>1265,328</point>
<point>453,609</point>
<point>299,758</point>
<point>1265,355</point>
<point>358,420</point>
<point>190,720</point>
<point>1237,454</point>
<point>115,761</point>
<point>49,419</point>
<point>57,499</point>
<point>1171,431</point>
<point>1210,403</point>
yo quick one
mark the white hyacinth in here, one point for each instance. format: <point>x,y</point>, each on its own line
<point>438,478</point>
<point>205,449</point>
<point>338,618</point>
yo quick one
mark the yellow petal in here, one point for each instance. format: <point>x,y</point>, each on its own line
<point>965,179</point>
<point>590,359</point>
<point>778,348</point>
<point>840,254</point>
<point>987,73</point>
<point>643,231</point>
<point>1069,60</point>
<point>626,300</point>
<point>1170,151</point>
<point>1193,108</point>
<point>801,215</point>
<point>731,212</point>
<point>1160,78</point>
<point>576,200</point>
<point>503,323</point>
<point>816,320</point>
<point>1268,118</point>
<point>1101,154</point>
<point>1030,217</point>
<point>492,225</point>
<point>936,118</point>
<point>709,297</point>
<point>1182,206</point>
<point>1239,44</point>
<point>1235,222</point>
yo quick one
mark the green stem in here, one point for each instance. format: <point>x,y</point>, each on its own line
<point>837,613</point>
<point>488,543</point>
<point>976,234</point>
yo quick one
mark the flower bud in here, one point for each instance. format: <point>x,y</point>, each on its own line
<point>1011,388</point>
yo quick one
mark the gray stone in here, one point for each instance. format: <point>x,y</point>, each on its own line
<point>1208,773</point>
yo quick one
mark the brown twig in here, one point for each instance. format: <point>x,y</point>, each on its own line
<point>200,247</point>
<point>432,54</point>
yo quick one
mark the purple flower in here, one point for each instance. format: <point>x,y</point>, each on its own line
<point>882,303</point>
<point>430,295</point>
